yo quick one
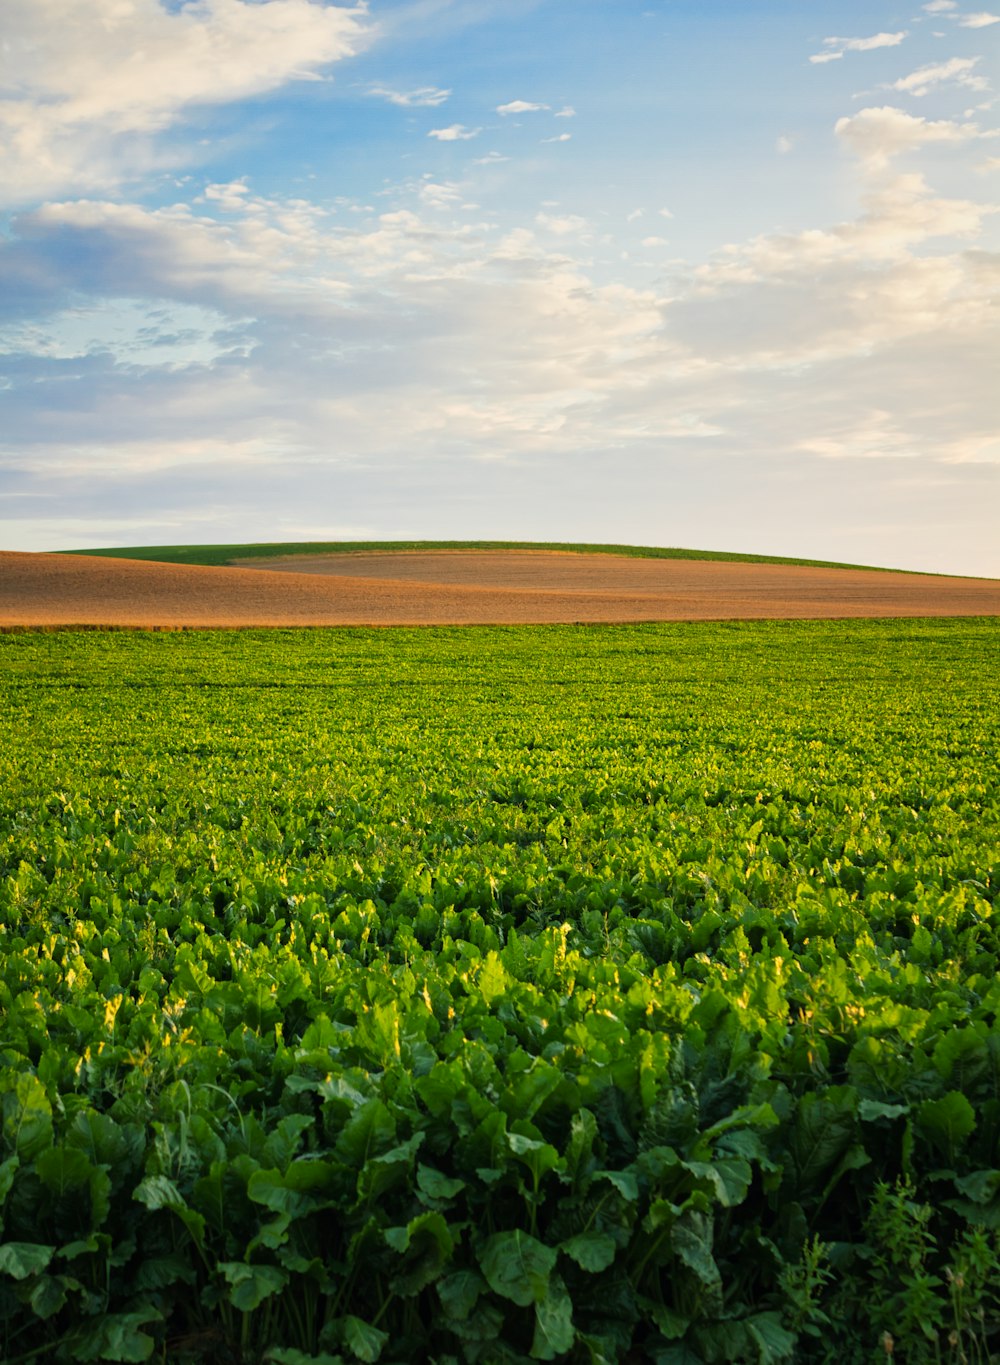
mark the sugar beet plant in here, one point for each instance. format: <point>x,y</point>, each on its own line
<point>591,995</point>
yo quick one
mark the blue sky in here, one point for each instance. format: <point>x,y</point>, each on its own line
<point>673,272</point>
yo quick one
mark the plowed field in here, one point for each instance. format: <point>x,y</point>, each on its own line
<point>461,587</point>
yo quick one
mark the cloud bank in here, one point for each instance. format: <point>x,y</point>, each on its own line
<point>361,358</point>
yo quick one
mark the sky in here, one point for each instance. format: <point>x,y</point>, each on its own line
<point>706,273</point>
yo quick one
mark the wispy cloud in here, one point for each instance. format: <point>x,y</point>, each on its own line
<point>562,224</point>
<point>981,20</point>
<point>520,107</point>
<point>836,47</point>
<point>560,137</point>
<point>877,135</point>
<point>96,85</point>
<point>567,111</point>
<point>456,132</point>
<point>427,97</point>
<point>940,6</point>
<point>958,70</point>
<point>214,352</point>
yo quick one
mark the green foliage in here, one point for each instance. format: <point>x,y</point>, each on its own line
<point>228,554</point>
<point>501,995</point>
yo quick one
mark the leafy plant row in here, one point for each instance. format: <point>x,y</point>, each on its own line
<point>501,996</point>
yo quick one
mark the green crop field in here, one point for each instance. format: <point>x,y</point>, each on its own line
<point>613,994</point>
<point>226,554</point>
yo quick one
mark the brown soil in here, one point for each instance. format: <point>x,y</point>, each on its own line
<point>458,588</point>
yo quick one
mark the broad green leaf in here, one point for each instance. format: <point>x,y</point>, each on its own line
<point>774,1342</point>
<point>21,1259</point>
<point>117,1336</point>
<point>366,1342</point>
<point>554,1331</point>
<point>824,1129</point>
<point>157,1192</point>
<point>435,1185</point>
<point>517,1266</point>
<point>282,1145</point>
<point>870,1111</point>
<point>105,1142</point>
<point>670,1323</point>
<point>157,1272</point>
<point>459,1292</point>
<point>531,1089</point>
<point>48,1294</point>
<point>250,1285</point>
<point>729,1177</point>
<point>62,1170</point>
<point>8,1170</point>
<point>484,1324</point>
<point>27,1117</point>
<point>368,1132</point>
<point>391,1169</point>
<point>539,1157</point>
<point>492,981</point>
<point>593,1251</point>
<point>426,1245</point>
<point>270,1189</point>
<point>625,1182</point>
<point>980,1186</point>
<point>579,1154</point>
<point>378,1031</point>
<point>691,1239</point>
<point>82,1246</point>
<point>946,1122</point>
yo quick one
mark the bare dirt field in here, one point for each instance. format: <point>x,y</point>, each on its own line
<point>460,588</point>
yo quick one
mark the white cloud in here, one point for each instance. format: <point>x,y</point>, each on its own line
<point>286,346</point>
<point>456,132</point>
<point>520,107</point>
<point>941,6</point>
<point>899,216</point>
<point>230,198</point>
<point>470,349</point>
<point>561,137</point>
<point>562,225</point>
<point>567,111</point>
<point>95,84</point>
<point>784,145</point>
<point>635,214</point>
<point>925,78</point>
<point>876,135</point>
<point>981,20</point>
<point>876,437</point>
<point>838,46</point>
<point>427,97</point>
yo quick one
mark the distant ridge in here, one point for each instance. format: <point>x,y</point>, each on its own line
<point>460,588</point>
<point>221,555</point>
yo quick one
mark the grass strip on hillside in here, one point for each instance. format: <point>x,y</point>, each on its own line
<point>221,555</point>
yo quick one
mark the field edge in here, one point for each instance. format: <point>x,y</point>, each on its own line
<point>227,555</point>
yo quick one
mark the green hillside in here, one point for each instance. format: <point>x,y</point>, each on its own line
<point>226,554</point>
